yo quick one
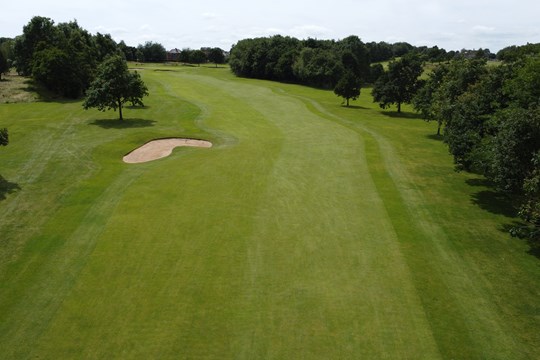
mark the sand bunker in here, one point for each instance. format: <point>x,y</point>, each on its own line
<point>157,149</point>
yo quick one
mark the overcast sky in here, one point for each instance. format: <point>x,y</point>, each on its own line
<point>451,24</point>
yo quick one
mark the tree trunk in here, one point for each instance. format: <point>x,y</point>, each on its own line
<point>439,129</point>
<point>120,109</point>
<point>347,102</point>
<point>398,107</point>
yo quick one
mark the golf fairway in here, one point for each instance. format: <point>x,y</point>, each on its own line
<point>307,231</point>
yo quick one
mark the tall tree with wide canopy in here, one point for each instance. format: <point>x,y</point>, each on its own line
<point>355,56</point>
<point>348,87</point>
<point>424,99</point>
<point>62,57</point>
<point>197,57</point>
<point>399,84</point>
<point>153,52</point>
<point>114,85</point>
<point>39,32</point>
<point>216,56</point>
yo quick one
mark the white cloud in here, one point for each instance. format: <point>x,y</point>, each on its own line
<point>111,30</point>
<point>481,29</point>
<point>309,31</point>
<point>210,16</point>
<point>145,27</point>
<point>449,24</point>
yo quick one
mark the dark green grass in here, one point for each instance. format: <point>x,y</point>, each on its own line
<point>309,230</point>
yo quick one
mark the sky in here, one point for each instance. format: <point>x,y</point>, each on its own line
<point>449,24</point>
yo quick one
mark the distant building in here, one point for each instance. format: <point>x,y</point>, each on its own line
<point>173,55</point>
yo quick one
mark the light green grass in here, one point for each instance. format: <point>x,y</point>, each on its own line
<point>309,230</point>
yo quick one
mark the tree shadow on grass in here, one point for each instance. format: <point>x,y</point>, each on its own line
<point>519,230</point>
<point>353,107</point>
<point>123,124</point>
<point>479,182</point>
<point>401,115</point>
<point>435,137</point>
<point>505,204</point>
<point>495,202</point>
<point>136,107</point>
<point>7,187</point>
<point>46,95</point>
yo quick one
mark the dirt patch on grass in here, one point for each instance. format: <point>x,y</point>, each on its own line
<point>160,148</point>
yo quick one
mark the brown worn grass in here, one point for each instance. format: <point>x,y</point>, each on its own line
<point>17,89</point>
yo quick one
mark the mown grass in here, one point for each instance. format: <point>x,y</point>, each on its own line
<point>310,230</point>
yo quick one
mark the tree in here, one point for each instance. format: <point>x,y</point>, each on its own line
<point>530,209</point>
<point>38,31</point>
<point>514,147</point>
<point>153,52</point>
<point>55,69</point>
<point>348,87</point>
<point>437,97</point>
<point>130,52</point>
<point>6,47</point>
<point>524,88</point>
<point>514,53</point>
<point>114,85</point>
<point>355,56</point>
<point>375,72</point>
<point>136,90</point>
<point>318,67</point>
<point>185,55</point>
<point>216,56</point>
<point>423,101</point>
<point>4,139</point>
<point>380,51</point>
<point>62,57</point>
<point>105,46</point>
<point>198,57</point>
<point>4,66</point>
<point>399,84</point>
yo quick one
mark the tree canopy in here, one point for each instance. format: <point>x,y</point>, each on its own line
<point>152,52</point>
<point>348,87</point>
<point>216,55</point>
<point>114,85</point>
<point>197,57</point>
<point>62,57</point>
<point>491,119</point>
<point>399,84</point>
<point>319,63</point>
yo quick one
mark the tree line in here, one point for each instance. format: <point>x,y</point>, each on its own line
<point>319,63</point>
<point>64,57</point>
<point>490,116</point>
<point>155,52</point>
<point>322,63</point>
